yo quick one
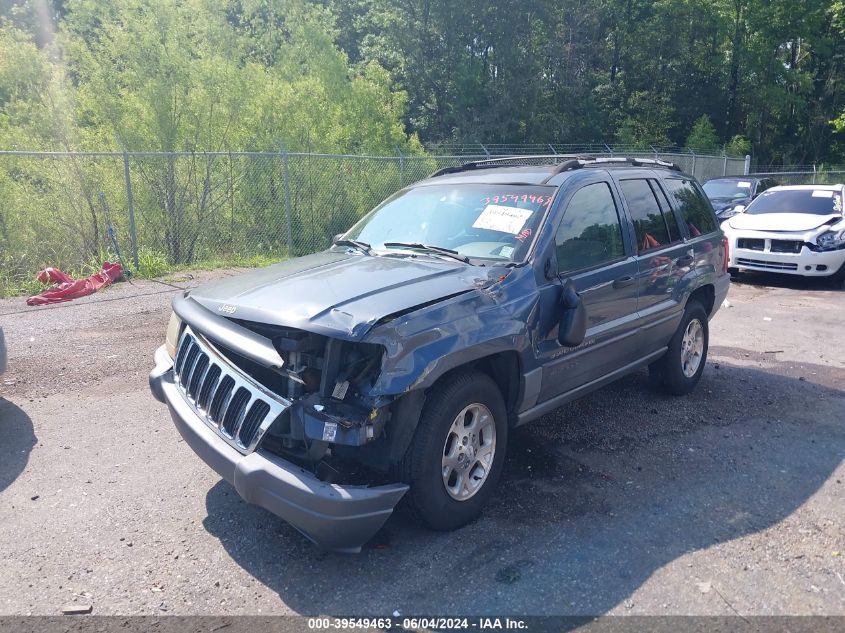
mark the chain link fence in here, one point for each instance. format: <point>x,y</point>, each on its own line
<point>205,209</point>
<point>804,174</point>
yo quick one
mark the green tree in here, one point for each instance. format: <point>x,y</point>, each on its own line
<point>738,146</point>
<point>703,135</point>
<point>174,75</point>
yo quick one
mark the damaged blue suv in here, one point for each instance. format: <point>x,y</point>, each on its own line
<point>393,365</point>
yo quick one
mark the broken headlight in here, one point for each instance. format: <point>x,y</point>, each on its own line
<point>830,240</point>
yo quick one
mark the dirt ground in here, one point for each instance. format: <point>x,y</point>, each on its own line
<point>730,500</point>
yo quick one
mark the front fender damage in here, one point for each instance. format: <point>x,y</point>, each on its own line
<point>422,347</point>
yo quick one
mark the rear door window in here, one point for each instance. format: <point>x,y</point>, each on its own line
<point>650,224</point>
<point>668,214</point>
<point>693,206</point>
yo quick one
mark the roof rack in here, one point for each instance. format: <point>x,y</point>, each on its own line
<point>636,161</point>
<point>568,162</point>
<point>519,160</point>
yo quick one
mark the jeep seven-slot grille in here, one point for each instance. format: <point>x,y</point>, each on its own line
<point>237,408</point>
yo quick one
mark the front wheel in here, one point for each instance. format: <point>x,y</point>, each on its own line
<point>458,450</point>
<point>680,369</point>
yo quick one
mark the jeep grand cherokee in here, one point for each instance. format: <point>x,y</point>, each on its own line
<point>395,363</point>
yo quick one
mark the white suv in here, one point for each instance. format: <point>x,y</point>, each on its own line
<point>796,230</point>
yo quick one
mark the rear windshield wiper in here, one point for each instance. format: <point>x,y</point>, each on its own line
<point>417,246</point>
<point>361,246</point>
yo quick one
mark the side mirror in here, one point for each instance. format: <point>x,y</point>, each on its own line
<point>335,238</point>
<point>573,322</point>
<point>740,208</point>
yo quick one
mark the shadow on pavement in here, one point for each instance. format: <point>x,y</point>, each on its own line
<point>595,498</point>
<point>18,438</point>
<point>792,282</point>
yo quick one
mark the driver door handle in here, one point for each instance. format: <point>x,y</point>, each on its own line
<point>627,280</point>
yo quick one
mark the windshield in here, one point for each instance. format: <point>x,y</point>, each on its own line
<point>728,189</point>
<point>479,221</point>
<point>812,201</point>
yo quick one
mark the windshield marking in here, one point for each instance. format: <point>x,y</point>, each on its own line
<point>505,197</point>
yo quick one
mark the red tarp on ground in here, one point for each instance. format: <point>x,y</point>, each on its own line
<point>70,288</point>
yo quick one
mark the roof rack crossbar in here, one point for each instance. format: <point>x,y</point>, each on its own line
<point>636,161</point>
<point>494,162</point>
<point>562,167</point>
<point>562,162</point>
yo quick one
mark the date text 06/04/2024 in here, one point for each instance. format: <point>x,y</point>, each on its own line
<point>417,623</point>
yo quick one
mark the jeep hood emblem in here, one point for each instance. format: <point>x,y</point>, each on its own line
<point>228,309</point>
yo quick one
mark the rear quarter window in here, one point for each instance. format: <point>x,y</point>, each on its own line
<point>694,208</point>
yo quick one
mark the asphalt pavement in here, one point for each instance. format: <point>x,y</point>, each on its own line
<point>728,501</point>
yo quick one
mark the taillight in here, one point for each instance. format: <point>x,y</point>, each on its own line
<point>726,250</point>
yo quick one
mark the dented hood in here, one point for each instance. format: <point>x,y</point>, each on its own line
<point>780,221</point>
<point>337,293</point>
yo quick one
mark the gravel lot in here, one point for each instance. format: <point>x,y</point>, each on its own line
<point>728,501</point>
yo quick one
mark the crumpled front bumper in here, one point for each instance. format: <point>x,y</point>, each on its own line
<point>340,518</point>
<point>806,263</point>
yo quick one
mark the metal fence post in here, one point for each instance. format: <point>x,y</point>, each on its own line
<point>814,174</point>
<point>693,163</point>
<point>747,168</point>
<point>130,206</point>
<point>401,167</point>
<point>286,184</point>
<point>725,164</point>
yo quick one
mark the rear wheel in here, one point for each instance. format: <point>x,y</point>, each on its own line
<point>458,450</point>
<point>679,370</point>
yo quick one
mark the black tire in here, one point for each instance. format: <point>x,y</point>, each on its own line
<point>422,467</point>
<point>668,372</point>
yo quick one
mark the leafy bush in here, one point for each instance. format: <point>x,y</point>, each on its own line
<point>151,263</point>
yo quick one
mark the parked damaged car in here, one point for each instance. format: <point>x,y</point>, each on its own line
<point>794,230</point>
<point>393,365</point>
<point>732,194</point>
